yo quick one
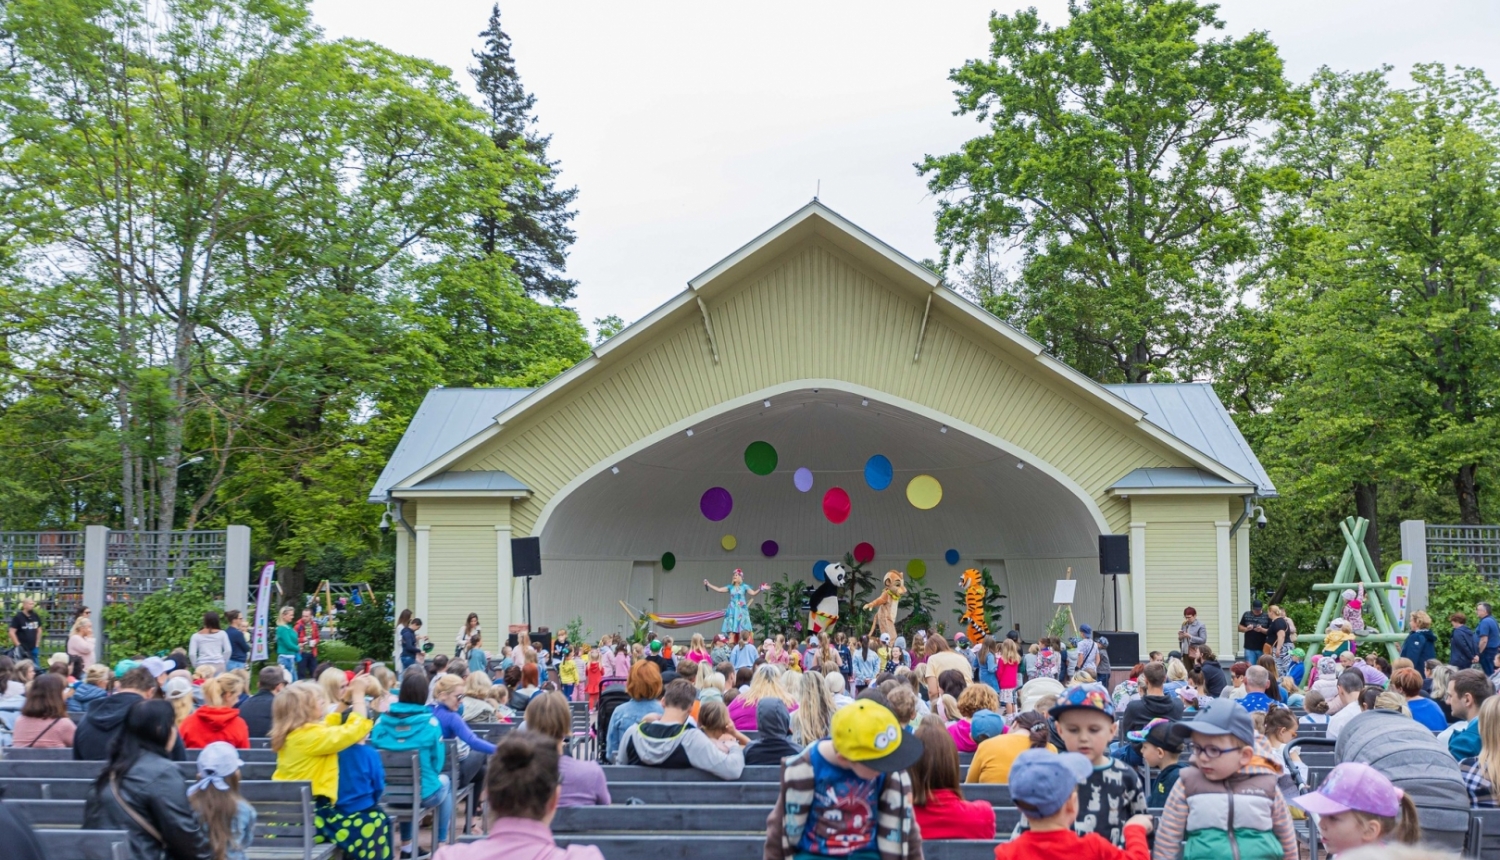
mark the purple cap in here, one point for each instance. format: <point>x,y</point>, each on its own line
<point>1355,786</point>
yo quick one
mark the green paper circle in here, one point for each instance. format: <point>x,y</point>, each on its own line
<point>668,561</point>
<point>916,569</point>
<point>760,458</point>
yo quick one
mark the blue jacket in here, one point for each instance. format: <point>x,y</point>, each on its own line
<point>409,643</point>
<point>865,668</point>
<point>83,696</point>
<point>239,649</point>
<point>413,728</point>
<point>1419,647</point>
<point>625,716</point>
<point>453,726</point>
<point>361,779</point>
<point>1465,744</point>
<point>1463,647</point>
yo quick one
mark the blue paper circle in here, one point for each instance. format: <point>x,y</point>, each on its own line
<point>951,556</point>
<point>878,472</point>
<point>818,570</point>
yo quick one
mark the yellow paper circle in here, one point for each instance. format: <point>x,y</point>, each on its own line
<point>916,569</point>
<point>924,492</point>
<point>728,542</point>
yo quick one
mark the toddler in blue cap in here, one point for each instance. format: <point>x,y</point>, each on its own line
<point>1044,786</point>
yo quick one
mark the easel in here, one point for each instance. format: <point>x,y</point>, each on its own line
<point>1069,604</point>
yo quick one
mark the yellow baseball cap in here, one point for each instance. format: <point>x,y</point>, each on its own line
<point>868,733</point>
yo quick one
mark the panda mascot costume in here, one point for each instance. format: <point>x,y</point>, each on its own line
<point>823,601</point>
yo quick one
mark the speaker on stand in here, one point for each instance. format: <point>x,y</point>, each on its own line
<point>1114,562</point>
<point>526,562</point>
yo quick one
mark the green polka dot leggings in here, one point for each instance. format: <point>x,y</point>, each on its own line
<point>362,835</point>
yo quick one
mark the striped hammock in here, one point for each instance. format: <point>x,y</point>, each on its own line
<point>684,619</point>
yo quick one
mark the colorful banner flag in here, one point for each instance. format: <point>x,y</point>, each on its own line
<point>262,612</point>
<point>1399,575</point>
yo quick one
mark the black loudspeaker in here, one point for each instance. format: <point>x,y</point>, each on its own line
<point>1114,555</point>
<point>1124,648</point>
<point>526,556</point>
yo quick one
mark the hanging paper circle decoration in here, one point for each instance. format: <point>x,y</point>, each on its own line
<point>668,561</point>
<point>864,553</point>
<point>878,472</point>
<point>716,503</point>
<point>760,458</point>
<point>951,556</point>
<point>924,492</point>
<point>802,479</point>
<point>818,567</point>
<point>728,543</point>
<point>916,569</point>
<point>769,549</point>
<point>836,505</point>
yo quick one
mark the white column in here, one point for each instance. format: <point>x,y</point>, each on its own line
<point>95,571</point>
<point>1242,564</point>
<point>424,542</point>
<point>1226,590</point>
<point>503,577</point>
<point>237,569</point>
<point>1414,550</point>
<point>403,573</point>
<point>1138,583</point>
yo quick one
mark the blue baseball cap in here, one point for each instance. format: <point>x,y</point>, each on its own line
<point>1041,782</point>
<point>986,724</point>
<point>1086,630</point>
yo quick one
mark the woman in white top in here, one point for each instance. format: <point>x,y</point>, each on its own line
<point>471,626</point>
<point>209,646</point>
<point>80,645</point>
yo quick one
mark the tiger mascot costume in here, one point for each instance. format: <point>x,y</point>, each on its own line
<point>973,585</point>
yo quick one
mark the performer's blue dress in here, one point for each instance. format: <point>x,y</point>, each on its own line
<point>737,616</point>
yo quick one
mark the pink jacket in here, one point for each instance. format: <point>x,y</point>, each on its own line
<point>622,664</point>
<point>517,839</point>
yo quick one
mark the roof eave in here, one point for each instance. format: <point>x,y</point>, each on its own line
<point>1221,490</point>
<point>411,493</point>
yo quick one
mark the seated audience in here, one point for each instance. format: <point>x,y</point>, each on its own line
<point>941,811</point>
<point>256,710</point>
<point>1466,693</point>
<point>103,722</point>
<point>1045,788</point>
<point>409,726</point>
<point>671,741</point>
<point>44,722</point>
<point>1482,771</point>
<point>644,688</point>
<point>1408,683</point>
<point>773,741</point>
<point>996,755</point>
<point>141,792</point>
<point>814,709</point>
<point>217,720</point>
<point>766,681</point>
<point>93,687</point>
<point>583,782</point>
<point>975,698</point>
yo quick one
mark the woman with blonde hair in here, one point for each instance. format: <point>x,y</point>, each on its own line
<point>1177,676</point>
<point>476,701</point>
<point>814,712</point>
<point>332,681</point>
<point>711,686</point>
<point>178,691</point>
<point>217,720</point>
<point>765,683</point>
<point>80,645</point>
<point>1482,772</point>
<point>307,750</point>
<point>698,651</point>
<point>1421,643</point>
<point>713,720</point>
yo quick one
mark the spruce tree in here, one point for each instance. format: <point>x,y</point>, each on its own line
<point>535,230</point>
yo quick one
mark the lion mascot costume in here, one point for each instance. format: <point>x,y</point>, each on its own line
<point>887,603</point>
<point>823,601</point>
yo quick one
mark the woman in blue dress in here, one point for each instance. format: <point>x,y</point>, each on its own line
<point>737,614</point>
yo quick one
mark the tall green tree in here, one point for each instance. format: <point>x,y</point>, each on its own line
<point>1115,167</point>
<point>534,228</point>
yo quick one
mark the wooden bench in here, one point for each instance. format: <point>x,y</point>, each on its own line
<point>22,754</point>
<point>719,792</point>
<point>403,793</point>
<point>11,768</point>
<point>697,846</point>
<point>696,818</point>
<point>75,844</point>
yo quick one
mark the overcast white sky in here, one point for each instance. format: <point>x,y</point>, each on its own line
<point>690,127</point>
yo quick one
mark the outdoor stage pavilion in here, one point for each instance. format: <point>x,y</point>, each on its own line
<point>832,347</point>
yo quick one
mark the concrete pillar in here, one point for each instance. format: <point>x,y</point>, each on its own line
<point>95,572</point>
<point>237,569</point>
<point>1414,550</point>
<point>1138,583</point>
<point>424,543</point>
<point>503,576</point>
<point>401,599</point>
<point>1226,625</point>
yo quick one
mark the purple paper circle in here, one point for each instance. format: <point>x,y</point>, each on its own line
<point>716,503</point>
<point>802,479</point>
<point>769,549</point>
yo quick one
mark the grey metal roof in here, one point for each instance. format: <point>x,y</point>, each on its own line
<point>1191,411</point>
<point>1162,478</point>
<point>470,481</point>
<point>446,418</point>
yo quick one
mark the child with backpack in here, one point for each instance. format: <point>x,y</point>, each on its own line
<point>228,821</point>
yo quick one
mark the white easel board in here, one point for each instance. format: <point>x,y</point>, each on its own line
<point>1064,592</point>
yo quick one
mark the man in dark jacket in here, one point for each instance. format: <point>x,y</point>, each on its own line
<point>1463,648</point>
<point>99,727</point>
<point>1153,703</point>
<point>773,737</point>
<point>154,789</point>
<point>256,710</point>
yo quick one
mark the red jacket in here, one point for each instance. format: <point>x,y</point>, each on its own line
<point>947,816</point>
<point>206,725</point>
<point>1068,844</point>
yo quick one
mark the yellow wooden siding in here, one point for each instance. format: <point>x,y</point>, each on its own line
<point>1181,559</point>
<point>461,579</point>
<point>816,316</point>
<point>464,512</point>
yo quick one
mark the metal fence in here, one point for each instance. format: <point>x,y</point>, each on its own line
<point>143,563</point>
<point>46,567</point>
<point>1463,549</point>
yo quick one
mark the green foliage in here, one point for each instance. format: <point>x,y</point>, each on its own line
<point>992,605</point>
<point>607,327</point>
<point>367,629</point>
<point>1058,627</point>
<point>345,655</point>
<point>164,620</point>
<point>1455,592</point>
<point>577,633</point>
<point>922,602</point>
<point>778,608</point>
<point>1116,160</point>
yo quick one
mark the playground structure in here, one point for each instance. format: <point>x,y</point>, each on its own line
<point>1356,568</point>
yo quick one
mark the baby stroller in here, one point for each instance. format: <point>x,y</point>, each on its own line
<point>611,696</point>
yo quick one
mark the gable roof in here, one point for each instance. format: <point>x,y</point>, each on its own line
<point>447,418</point>
<point>1192,412</point>
<point>811,220</point>
<point>1175,479</point>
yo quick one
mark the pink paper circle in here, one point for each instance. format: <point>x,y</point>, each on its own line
<point>864,553</point>
<point>802,479</point>
<point>716,503</point>
<point>836,505</point>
